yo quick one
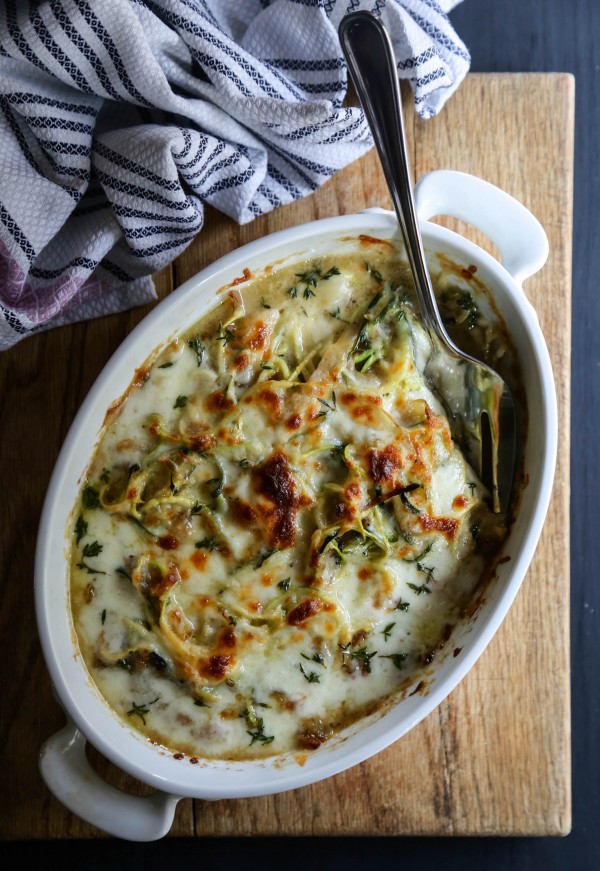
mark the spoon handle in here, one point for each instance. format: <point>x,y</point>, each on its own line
<point>370,58</point>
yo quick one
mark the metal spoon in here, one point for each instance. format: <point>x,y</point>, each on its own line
<point>484,420</point>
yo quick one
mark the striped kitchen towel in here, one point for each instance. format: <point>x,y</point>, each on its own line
<point>121,119</point>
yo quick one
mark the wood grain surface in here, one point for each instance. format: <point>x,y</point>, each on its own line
<point>494,757</point>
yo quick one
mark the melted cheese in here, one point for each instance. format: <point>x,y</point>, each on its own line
<point>277,531</point>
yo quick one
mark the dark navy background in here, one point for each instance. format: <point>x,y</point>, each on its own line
<point>502,36</point>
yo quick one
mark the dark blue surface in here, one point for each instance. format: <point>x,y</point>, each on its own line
<point>502,36</point>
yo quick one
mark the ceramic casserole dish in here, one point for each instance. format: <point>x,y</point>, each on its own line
<point>64,764</point>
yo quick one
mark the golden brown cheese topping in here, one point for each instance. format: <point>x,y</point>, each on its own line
<point>277,531</point>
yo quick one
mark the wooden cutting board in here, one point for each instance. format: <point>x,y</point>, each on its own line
<point>494,758</point>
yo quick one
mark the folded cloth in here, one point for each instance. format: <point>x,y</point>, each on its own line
<point>120,120</point>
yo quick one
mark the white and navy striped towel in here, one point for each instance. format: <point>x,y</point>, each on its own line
<point>120,119</point>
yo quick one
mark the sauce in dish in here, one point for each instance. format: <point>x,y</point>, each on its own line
<point>277,532</point>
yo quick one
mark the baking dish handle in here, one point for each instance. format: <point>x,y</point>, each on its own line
<point>68,773</point>
<point>519,236</point>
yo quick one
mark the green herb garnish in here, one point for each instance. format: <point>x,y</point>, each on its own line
<point>141,710</point>
<point>397,658</point>
<point>311,677</point>
<point>387,631</point>
<point>328,406</point>
<point>197,347</point>
<point>224,335</point>
<point>91,549</point>
<point>259,734</point>
<point>80,529</point>
<point>181,402</point>
<point>423,588</point>
<point>361,655</point>
<point>90,498</point>
<point>207,543</point>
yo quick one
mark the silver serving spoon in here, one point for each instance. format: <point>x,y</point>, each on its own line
<point>484,421</point>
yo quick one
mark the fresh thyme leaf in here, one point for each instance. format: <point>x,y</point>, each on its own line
<point>165,365</point>
<point>336,314</point>
<point>364,657</point>
<point>197,347</point>
<point>103,617</point>
<point>285,584</point>
<point>328,406</point>
<point>91,549</point>
<point>181,402</point>
<point>427,570</point>
<point>197,508</point>
<point>311,677</point>
<point>259,733</point>
<point>232,619</point>
<point>388,631</point>
<point>423,588</point>
<point>361,655</point>
<point>244,463</point>
<point>265,366</point>
<point>80,529</point>
<point>224,335</point>
<point>209,544</point>
<point>402,606</point>
<point>141,710</point>
<point>90,498</point>
<point>263,303</point>
<point>397,658</point>
<point>310,279</point>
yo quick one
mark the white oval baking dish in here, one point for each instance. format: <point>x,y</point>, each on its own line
<point>64,764</point>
